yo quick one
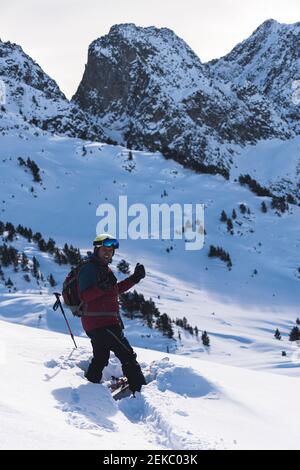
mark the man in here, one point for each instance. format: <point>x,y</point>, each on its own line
<point>99,291</point>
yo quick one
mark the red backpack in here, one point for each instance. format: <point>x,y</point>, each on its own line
<point>70,291</point>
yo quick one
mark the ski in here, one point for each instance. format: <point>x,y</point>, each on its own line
<point>119,388</point>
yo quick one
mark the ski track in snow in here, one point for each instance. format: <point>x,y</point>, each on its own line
<point>86,406</point>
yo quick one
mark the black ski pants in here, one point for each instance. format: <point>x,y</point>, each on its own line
<point>111,338</point>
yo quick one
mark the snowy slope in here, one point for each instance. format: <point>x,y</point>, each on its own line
<point>191,404</point>
<point>217,406</point>
<point>239,309</point>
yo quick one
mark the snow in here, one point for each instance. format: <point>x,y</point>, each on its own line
<point>191,404</point>
<point>181,283</point>
<point>268,60</point>
<point>241,392</point>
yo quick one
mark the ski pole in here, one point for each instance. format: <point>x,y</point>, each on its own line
<point>55,307</point>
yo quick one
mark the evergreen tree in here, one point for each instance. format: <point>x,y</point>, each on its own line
<point>277,334</point>
<point>279,203</point>
<point>234,214</point>
<point>24,262</point>
<point>50,246</point>
<point>264,208</point>
<point>229,226</point>
<point>37,237</point>
<point>11,231</point>
<point>205,339</point>
<point>164,324</point>
<point>42,245</point>
<point>123,267</point>
<point>9,283</point>
<point>52,281</point>
<point>295,334</point>
<point>223,217</point>
<point>34,170</point>
<point>243,208</point>
<point>35,268</point>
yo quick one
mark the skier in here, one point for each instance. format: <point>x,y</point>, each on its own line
<point>98,291</point>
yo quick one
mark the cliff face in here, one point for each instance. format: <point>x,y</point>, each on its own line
<point>146,89</point>
<point>149,90</point>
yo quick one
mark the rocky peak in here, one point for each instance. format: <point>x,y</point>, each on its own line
<point>130,59</point>
<point>269,60</point>
<point>34,101</point>
<point>18,66</point>
<point>149,90</point>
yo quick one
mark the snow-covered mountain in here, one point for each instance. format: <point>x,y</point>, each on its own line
<point>267,63</point>
<point>149,90</point>
<point>159,95</point>
<point>32,100</point>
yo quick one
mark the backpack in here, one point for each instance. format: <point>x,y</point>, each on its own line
<point>70,291</point>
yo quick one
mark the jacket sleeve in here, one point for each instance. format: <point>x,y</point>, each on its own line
<point>125,285</point>
<point>87,283</point>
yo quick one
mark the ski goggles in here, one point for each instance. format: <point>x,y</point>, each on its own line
<point>108,242</point>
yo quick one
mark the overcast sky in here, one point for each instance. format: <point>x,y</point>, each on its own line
<point>56,33</point>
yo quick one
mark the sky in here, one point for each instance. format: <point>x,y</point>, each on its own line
<point>57,33</point>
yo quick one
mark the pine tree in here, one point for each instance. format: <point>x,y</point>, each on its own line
<point>163,323</point>
<point>42,245</point>
<point>52,281</point>
<point>295,334</point>
<point>50,246</point>
<point>234,214</point>
<point>123,267</point>
<point>24,262</point>
<point>229,226</point>
<point>277,334</point>
<point>9,283</point>
<point>205,339</point>
<point>35,268</point>
<point>11,231</point>
<point>223,217</point>
<point>26,277</point>
<point>264,208</point>
<point>243,208</point>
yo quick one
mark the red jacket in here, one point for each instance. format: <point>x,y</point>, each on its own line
<point>97,300</point>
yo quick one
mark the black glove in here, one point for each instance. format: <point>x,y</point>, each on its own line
<point>139,273</point>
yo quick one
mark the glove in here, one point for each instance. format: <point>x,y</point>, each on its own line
<point>139,273</point>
